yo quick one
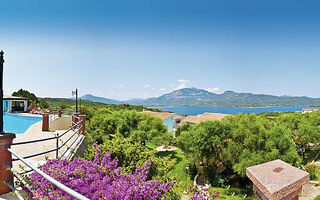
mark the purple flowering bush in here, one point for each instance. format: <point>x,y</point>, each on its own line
<point>101,179</point>
<point>96,180</point>
<point>202,193</point>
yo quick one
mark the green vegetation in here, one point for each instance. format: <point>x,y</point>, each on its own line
<point>132,137</point>
<point>138,126</point>
<point>317,198</point>
<point>26,94</point>
<point>226,148</point>
<point>217,151</point>
<point>38,102</point>
<point>131,153</point>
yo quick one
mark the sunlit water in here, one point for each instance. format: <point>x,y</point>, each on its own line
<point>18,124</point>
<point>195,110</point>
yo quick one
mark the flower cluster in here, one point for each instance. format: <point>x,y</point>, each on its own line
<point>200,193</point>
<point>313,171</point>
<point>101,178</point>
<point>96,180</point>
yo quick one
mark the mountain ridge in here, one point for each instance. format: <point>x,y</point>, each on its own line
<point>200,97</point>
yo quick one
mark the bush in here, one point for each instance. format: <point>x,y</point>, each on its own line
<point>103,179</point>
<point>131,154</point>
<point>313,171</point>
<point>97,179</point>
<point>140,127</point>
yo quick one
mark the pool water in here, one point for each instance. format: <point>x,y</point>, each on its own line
<point>18,124</point>
<point>169,122</point>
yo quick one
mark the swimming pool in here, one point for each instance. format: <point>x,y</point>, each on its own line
<point>169,122</point>
<point>18,124</point>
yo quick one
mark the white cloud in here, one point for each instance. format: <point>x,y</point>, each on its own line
<point>214,90</point>
<point>182,84</point>
<point>120,86</point>
<point>146,86</point>
<point>162,89</point>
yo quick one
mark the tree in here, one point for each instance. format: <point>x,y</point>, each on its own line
<point>181,128</point>
<point>43,104</point>
<point>239,141</point>
<point>130,154</point>
<point>254,140</point>
<point>26,94</point>
<point>204,141</point>
<point>139,126</point>
<point>304,129</point>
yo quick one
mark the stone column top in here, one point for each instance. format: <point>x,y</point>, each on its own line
<point>277,179</point>
<point>6,138</point>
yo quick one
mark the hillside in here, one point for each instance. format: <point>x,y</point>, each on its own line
<point>200,97</point>
<point>99,99</point>
<point>70,102</point>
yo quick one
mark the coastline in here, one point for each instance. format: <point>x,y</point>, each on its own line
<point>195,110</point>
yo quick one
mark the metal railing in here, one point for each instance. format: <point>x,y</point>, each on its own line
<point>53,116</point>
<point>76,127</point>
<point>46,176</point>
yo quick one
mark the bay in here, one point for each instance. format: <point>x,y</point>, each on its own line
<point>195,110</point>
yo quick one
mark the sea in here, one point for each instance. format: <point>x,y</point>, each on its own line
<point>195,110</point>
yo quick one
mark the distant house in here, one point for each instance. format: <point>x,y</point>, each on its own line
<point>167,118</point>
<point>15,104</point>
<point>309,110</point>
<point>196,119</point>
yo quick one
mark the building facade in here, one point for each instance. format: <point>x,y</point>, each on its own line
<point>15,104</point>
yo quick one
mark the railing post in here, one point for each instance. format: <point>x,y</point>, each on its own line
<point>83,124</point>
<point>45,122</point>
<point>75,118</point>
<point>59,113</point>
<point>5,157</point>
<point>57,146</point>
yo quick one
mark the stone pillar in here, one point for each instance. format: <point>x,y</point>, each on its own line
<point>277,180</point>
<point>45,122</point>
<point>5,157</point>
<point>59,113</point>
<point>83,124</point>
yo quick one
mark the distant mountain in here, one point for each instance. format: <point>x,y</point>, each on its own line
<point>200,97</point>
<point>90,97</point>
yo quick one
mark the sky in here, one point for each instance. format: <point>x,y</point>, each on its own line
<point>124,49</point>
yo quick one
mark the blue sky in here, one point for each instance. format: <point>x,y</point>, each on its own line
<point>127,49</point>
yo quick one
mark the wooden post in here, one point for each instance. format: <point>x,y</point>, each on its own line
<point>75,118</point>
<point>5,157</point>
<point>83,124</point>
<point>59,113</point>
<point>45,122</point>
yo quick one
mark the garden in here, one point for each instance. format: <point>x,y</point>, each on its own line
<point>121,160</point>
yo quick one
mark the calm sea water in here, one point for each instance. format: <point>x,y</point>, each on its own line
<point>195,110</point>
<point>18,124</point>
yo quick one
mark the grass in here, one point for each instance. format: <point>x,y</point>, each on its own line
<point>317,198</point>
<point>179,173</point>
